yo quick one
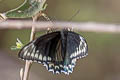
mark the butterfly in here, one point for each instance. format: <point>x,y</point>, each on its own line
<point>58,51</point>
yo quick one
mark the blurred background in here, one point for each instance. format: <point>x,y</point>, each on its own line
<point>104,48</point>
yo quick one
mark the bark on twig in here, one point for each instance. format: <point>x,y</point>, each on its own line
<point>88,26</point>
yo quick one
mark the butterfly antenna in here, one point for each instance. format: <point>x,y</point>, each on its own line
<point>77,12</point>
<point>48,19</point>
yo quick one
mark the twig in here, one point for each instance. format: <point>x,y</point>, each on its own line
<point>26,70</point>
<point>87,26</point>
<point>21,74</point>
<point>28,63</point>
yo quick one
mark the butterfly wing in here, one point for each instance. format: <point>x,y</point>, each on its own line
<point>76,48</point>
<point>38,50</point>
<point>47,50</point>
<point>58,52</point>
<point>72,47</point>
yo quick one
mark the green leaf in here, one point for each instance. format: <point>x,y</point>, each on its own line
<point>28,9</point>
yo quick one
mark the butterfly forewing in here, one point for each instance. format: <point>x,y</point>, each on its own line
<point>38,50</point>
<point>77,46</point>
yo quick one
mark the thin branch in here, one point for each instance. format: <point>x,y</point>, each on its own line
<point>26,70</point>
<point>21,74</point>
<point>88,26</point>
<point>32,36</point>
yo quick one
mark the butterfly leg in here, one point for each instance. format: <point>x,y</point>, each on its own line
<point>70,29</point>
<point>48,30</point>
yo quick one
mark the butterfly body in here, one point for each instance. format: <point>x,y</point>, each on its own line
<point>58,51</point>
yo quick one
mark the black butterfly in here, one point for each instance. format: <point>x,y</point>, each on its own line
<point>58,51</point>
